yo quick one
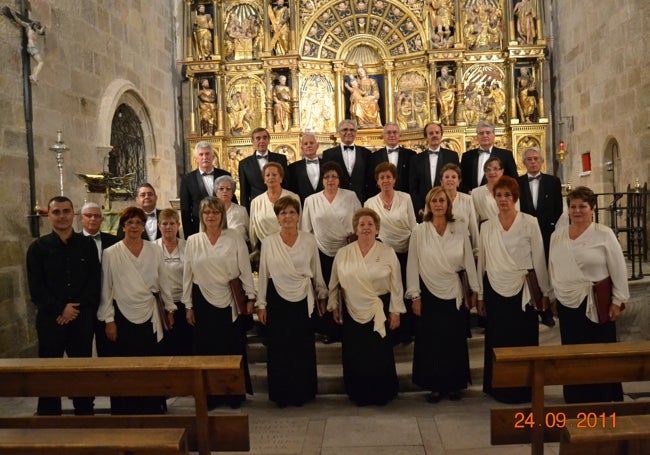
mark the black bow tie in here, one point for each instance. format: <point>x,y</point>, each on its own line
<point>483,151</point>
<point>207,173</point>
<point>315,161</point>
<point>435,152</point>
<point>396,149</point>
<point>97,236</point>
<point>151,215</point>
<point>537,177</point>
<point>261,157</point>
<point>348,147</point>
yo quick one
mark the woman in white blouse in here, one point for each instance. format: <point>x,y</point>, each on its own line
<point>395,210</point>
<point>462,204</point>
<point>213,258</point>
<point>328,215</point>
<point>132,271</point>
<point>439,249</point>
<point>511,246</point>
<point>366,280</point>
<point>290,285</point>
<point>238,220</point>
<point>482,196</point>
<point>581,254</point>
<point>179,340</point>
<point>263,221</point>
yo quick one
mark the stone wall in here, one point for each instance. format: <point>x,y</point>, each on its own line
<point>600,61</point>
<point>90,48</point>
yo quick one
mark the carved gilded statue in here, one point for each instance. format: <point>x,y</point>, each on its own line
<point>203,27</point>
<point>446,84</point>
<point>282,105</point>
<point>364,99</point>
<point>443,18</point>
<point>243,33</point>
<point>280,23</point>
<point>526,95</point>
<point>239,116</point>
<point>524,11</point>
<point>207,109</point>
<point>316,104</point>
<point>482,30</point>
<point>496,108</point>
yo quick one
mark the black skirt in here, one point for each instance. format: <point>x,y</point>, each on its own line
<point>506,326</point>
<point>369,370</point>
<point>576,328</point>
<point>216,334</point>
<point>440,356</point>
<point>291,354</point>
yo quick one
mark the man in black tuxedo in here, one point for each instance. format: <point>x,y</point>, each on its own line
<point>353,159</point>
<point>251,181</point>
<point>541,197</point>
<point>146,199</point>
<point>197,185</point>
<point>426,166</point>
<point>395,154</point>
<point>304,175</point>
<point>471,164</point>
<point>91,218</point>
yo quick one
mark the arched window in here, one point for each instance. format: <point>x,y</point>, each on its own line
<point>128,151</point>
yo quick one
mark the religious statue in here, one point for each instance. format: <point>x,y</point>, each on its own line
<point>33,29</point>
<point>524,11</point>
<point>207,109</point>
<point>526,95</point>
<point>280,23</point>
<point>282,105</point>
<point>364,99</point>
<point>443,18</point>
<point>497,103</point>
<point>202,30</point>
<point>243,35</point>
<point>239,117</point>
<point>446,95</point>
<point>482,29</point>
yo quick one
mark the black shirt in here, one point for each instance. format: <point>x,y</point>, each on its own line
<point>60,273</point>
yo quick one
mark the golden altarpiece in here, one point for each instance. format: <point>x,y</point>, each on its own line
<point>304,65</point>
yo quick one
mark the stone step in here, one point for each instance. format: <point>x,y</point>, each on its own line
<point>330,370</point>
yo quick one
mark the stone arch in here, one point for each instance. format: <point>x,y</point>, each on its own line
<point>118,92</point>
<point>611,172</point>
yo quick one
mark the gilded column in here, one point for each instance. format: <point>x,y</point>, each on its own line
<point>192,106</point>
<point>538,23</point>
<point>216,31</point>
<point>295,108</point>
<point>433,90</point>
<point>460,94</point>
<point>514,115</point>
<point>189,41</point>
<point>540,88</point>
<point>221,97</point>
<point>389,66</point>
<point>268,83</point>
<point>338,89</point>
<point>267,26</point>
<point>511,25</point>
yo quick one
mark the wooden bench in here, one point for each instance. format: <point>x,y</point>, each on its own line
<point>197,376</point>
<point>537,366</point>
<point>626,435</point>
<point>123,441</point>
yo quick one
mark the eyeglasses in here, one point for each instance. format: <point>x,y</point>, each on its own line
<point>224,189</point>
<point>133,223</point>
<point>96,216</point>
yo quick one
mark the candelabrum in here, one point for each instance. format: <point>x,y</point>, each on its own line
<point>59,147</point>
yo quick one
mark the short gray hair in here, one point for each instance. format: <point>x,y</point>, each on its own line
<point>484,124</point>
<point>89,205</point>
<point>350,121</point>
<point>203,145</point>
<point>391,124</point>
<point>225,178</point>
<point>532,149</point>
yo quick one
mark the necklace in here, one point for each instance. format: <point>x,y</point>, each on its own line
<point>387,204</point>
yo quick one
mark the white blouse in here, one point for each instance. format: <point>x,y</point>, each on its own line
<point>174,264</point>
<point>437,259</point>
<point>463,210</point>
<point>330,222</point>
<point>238,220</point>
<point>396,222</point>
<point>506,256</point>
<point>211,267</point>
<point>130,281</point>
<point>295,270</point>
<point>574,265</point>
<point>363,279</point>
<point>263,221</point>
<point>485,204</point>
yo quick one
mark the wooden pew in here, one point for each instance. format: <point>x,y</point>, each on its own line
<point>628,435</point>
<point>197,376</point>
<point>123,441</point>
<point>537,366</point>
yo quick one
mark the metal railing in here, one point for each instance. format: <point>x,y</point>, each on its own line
<point>627,215</point>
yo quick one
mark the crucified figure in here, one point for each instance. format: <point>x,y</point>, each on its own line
<point>33,29</point>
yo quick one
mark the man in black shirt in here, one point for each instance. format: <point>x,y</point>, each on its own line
<point>64,282</point>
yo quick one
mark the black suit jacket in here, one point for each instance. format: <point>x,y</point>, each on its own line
<point>359,180</point>
<point>251,180</point>
<point>120,231</point>
<point>108,240</point>
<point>192,192</point>
<point>469,167</point>
<point>549,204</point>
<point>404,156</point>
<point>420,175</point>
<point>299,182</point>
